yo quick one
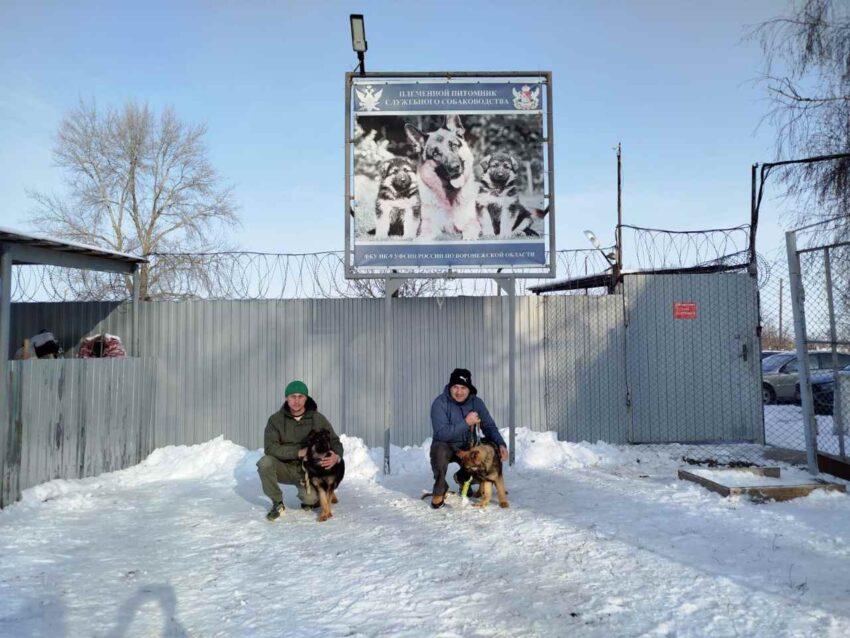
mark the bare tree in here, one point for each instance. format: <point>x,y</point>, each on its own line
<point>807,77</point>
<point>138,183</point>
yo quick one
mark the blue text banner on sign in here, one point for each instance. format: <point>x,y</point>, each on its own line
<point>515,253</point>
<point>378,99</point>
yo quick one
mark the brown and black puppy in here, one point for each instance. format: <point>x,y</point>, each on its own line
<point>499,209</point>
<point>325,481</point>
<point>484,464</point>
<point>397,211</point>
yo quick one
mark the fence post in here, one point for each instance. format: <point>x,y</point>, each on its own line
<point>837,420</point>
<point>509,286</point>
<point>798,310</point>
<point>6,440</point>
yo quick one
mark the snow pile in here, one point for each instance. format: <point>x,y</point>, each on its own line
<point>359,464</point>
<point>223,460</point>
<point>213,459</point>
<point>410,459</point>
<point>543,450</point>
<point>183,462</point>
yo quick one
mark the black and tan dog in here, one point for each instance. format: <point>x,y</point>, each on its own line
<point>447,186</point>
<point>397,205</point>
<point>324,481</point>
<point>500,212</point>
<point>484,464</point>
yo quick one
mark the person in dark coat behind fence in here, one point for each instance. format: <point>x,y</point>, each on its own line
<point>454,415</point>
<point>284,448</point>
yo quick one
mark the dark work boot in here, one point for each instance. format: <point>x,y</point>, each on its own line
<point>275,512</point>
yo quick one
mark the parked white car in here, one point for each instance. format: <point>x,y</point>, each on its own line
<point>780,373</point>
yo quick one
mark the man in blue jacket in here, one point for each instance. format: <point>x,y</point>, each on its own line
<point>454,415</point>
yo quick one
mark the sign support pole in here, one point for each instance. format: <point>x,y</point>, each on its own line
<point>391,286</point>
<point>509,286</point>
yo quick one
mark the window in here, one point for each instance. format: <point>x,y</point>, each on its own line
<point>826,360</point>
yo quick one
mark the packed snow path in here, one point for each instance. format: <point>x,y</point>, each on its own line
<point>596,543</point>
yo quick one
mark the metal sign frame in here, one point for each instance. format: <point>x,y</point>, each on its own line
<point>547,270</point>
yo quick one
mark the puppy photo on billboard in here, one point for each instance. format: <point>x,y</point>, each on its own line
<point>397,207</point>
<point>500,211</point>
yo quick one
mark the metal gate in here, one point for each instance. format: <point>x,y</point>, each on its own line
<point>820,295</point>
<point>693,358</point>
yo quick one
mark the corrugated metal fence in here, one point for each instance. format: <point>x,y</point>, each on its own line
<point>72,418</point>
<point>222,365</point>
<point>212,368</point>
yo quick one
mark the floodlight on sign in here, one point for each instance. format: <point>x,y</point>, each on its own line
<point>358,33</point>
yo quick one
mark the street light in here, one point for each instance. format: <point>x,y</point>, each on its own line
<point>358,39</point>
<point>609,257</point>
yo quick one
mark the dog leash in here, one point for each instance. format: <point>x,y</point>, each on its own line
<point>475,440</point>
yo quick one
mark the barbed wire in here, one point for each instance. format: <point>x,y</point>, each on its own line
<point>654,249</point>
<point>252,275</point>
<point>256,275</point>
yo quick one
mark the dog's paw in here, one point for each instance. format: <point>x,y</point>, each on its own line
<point>504,504</point>
<point>482,504</point>
<point>323,517</point>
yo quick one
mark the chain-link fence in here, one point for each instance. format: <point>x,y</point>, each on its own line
<point>783,418</point>
<point>824,316</point>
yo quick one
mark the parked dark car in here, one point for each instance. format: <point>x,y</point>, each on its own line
<point>823,391</point>
<point>780,374</point>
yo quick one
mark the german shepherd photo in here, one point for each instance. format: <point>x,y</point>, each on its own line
<point>484,464</point>
<point>500,211</point>
<point>324,481</point>
<point>397,210</point>
<point>447,185</point>
<point>430,177</point>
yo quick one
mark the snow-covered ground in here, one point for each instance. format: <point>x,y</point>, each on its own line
<point>783,425</point>
<point>599,540</point>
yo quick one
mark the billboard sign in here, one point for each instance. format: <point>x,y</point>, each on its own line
<point>449,174</point>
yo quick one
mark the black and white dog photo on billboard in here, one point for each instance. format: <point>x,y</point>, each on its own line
<point>449,177</point>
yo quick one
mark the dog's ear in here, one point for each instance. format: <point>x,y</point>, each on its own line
<point>415,136</point>
<point>485,163</point>
<point>454,124</point>
<point>514,163</point>
<point>475,457</point>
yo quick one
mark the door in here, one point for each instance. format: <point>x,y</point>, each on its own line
<point>692,358</point>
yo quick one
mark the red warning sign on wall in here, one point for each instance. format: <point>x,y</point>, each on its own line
<point>684,310</point>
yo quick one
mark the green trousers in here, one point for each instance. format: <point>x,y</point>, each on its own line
<point>273,471</point>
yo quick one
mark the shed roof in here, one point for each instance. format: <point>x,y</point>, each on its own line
<point>18,238</point>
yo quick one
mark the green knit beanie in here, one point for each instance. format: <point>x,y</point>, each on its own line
<point>296,387</point>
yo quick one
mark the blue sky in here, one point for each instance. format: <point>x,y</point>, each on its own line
<point>671,80</point>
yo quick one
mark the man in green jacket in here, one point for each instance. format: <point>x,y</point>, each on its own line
<point>284,448</point>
